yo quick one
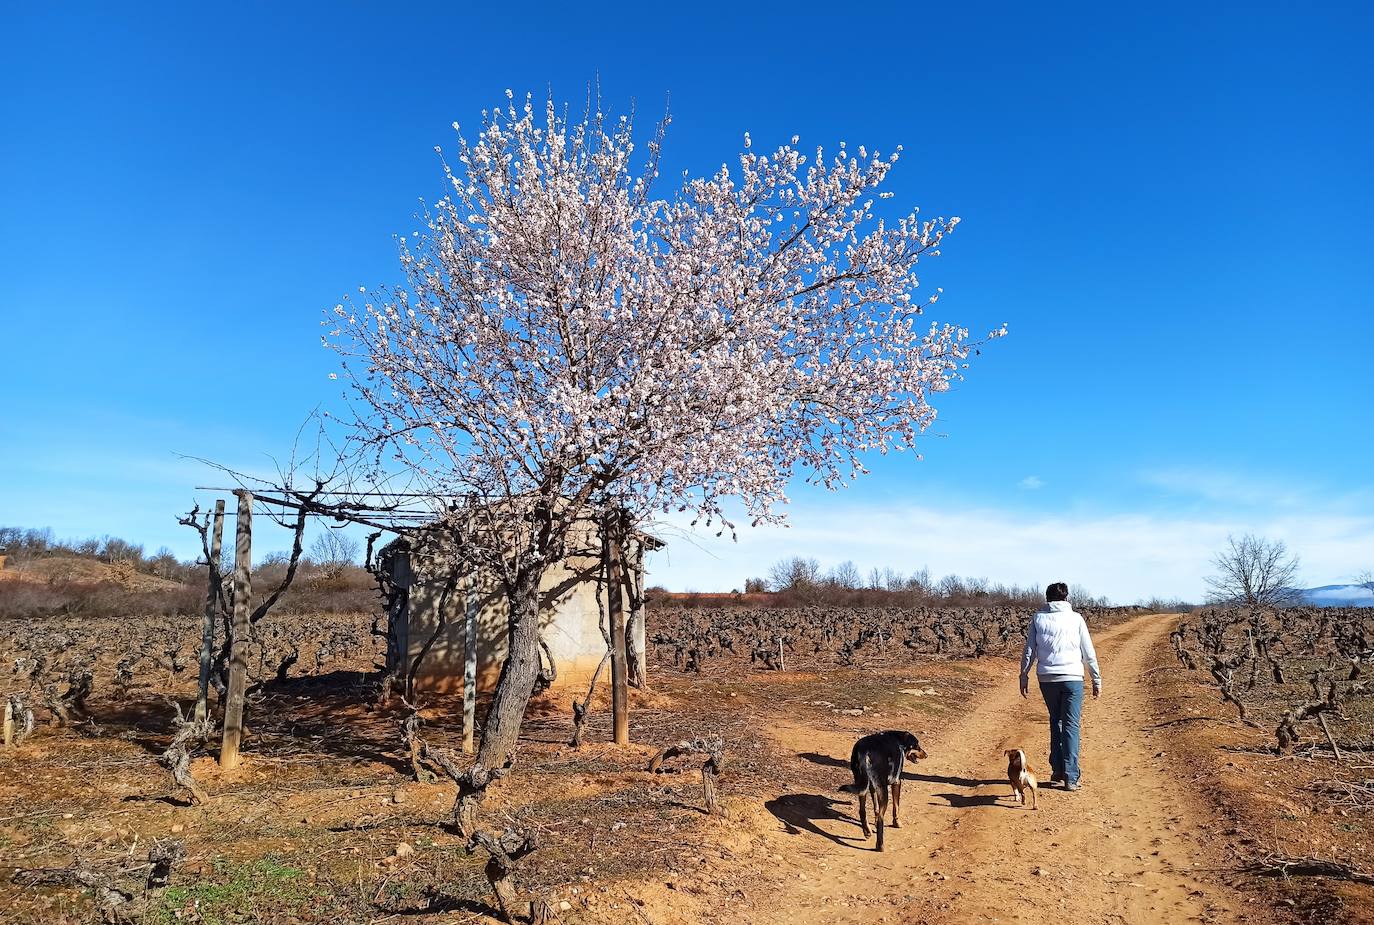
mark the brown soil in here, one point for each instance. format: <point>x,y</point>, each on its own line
<point>1134,845</point>
<point>1175,795</point>
<point>1270,807</point>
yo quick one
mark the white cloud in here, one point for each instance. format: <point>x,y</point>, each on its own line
<point>1126,557</point>
<point>1031,482</point>
<point>1225,488</point>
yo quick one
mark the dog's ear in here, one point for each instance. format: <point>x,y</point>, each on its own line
<point>1010,753</point>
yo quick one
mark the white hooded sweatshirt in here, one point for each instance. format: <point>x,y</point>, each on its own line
<point>1057,641</point>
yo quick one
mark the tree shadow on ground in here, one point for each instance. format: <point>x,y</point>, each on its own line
<point>690,807</point>
<point>136,712</point>
<point>1184,720</point>
<point>1247,749</point>
<point>823,760</point>
<point>329,728</point>
<point>439,904</point>
<point>157,798</point>
<point>331,715</point>
<point>800,812</point>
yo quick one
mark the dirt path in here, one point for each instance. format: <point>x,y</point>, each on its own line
<point>1125,848</point>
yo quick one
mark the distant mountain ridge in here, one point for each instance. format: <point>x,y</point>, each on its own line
<point>1338,596</point>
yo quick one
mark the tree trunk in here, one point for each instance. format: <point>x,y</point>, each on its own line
<point>518,674</point>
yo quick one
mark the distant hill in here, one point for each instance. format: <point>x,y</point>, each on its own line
<point>1338,596</point>
<point>77,569</point>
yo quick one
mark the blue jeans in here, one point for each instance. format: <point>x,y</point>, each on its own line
<point>1065,702</point>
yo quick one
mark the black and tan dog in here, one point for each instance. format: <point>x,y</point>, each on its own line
<point>877,762</point>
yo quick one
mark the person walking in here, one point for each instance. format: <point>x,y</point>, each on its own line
<point>1058,644</point>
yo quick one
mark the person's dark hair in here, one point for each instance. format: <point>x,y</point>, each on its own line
<point>1058,591</point>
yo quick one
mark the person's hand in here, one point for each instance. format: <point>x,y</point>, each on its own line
<point>1025,687</point>
<point>1097,689</point>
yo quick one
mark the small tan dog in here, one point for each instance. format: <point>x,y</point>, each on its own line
<point>1021,778</point>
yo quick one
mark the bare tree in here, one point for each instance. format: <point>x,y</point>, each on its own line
<point>1081,595</point>
<point>794,574</point>
<point>333,551</point>
<point>1365,580</point>
<point>952,587</point>
<point>846,575</point>
<point>1254,571</point>
<point>919,581</point>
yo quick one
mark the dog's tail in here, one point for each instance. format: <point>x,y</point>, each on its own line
<point>862,779</point>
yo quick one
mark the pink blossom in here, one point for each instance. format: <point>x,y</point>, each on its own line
<point>566,333</point>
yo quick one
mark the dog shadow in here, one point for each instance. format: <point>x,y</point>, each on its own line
<point>799,812</point>
<point>965,800</point>
<point>828,761</point>
<point>951,780</point>
<point>959,800</point>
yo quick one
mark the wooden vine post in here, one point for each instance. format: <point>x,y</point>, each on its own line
<point>399,619</point>
<point>613,535</point>
<point>470,604</point>
<point>238,650</point>
<point>207,635</point>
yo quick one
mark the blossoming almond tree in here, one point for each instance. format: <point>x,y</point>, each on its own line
<point>570,341</point>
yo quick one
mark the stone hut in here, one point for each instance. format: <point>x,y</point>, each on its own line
<point>428,609</point>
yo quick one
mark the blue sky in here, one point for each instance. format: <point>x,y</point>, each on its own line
<point>1168,205</point>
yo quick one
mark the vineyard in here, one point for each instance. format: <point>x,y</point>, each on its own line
<point>101,710</point>
<point>807,638</point>
<point>344,807</point>
<point>56,666</point>
<point>1295,671</point>
<point>1292,746</point>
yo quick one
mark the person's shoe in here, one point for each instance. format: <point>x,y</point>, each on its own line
<point>1057,778</point>
<point>1071,785</point>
